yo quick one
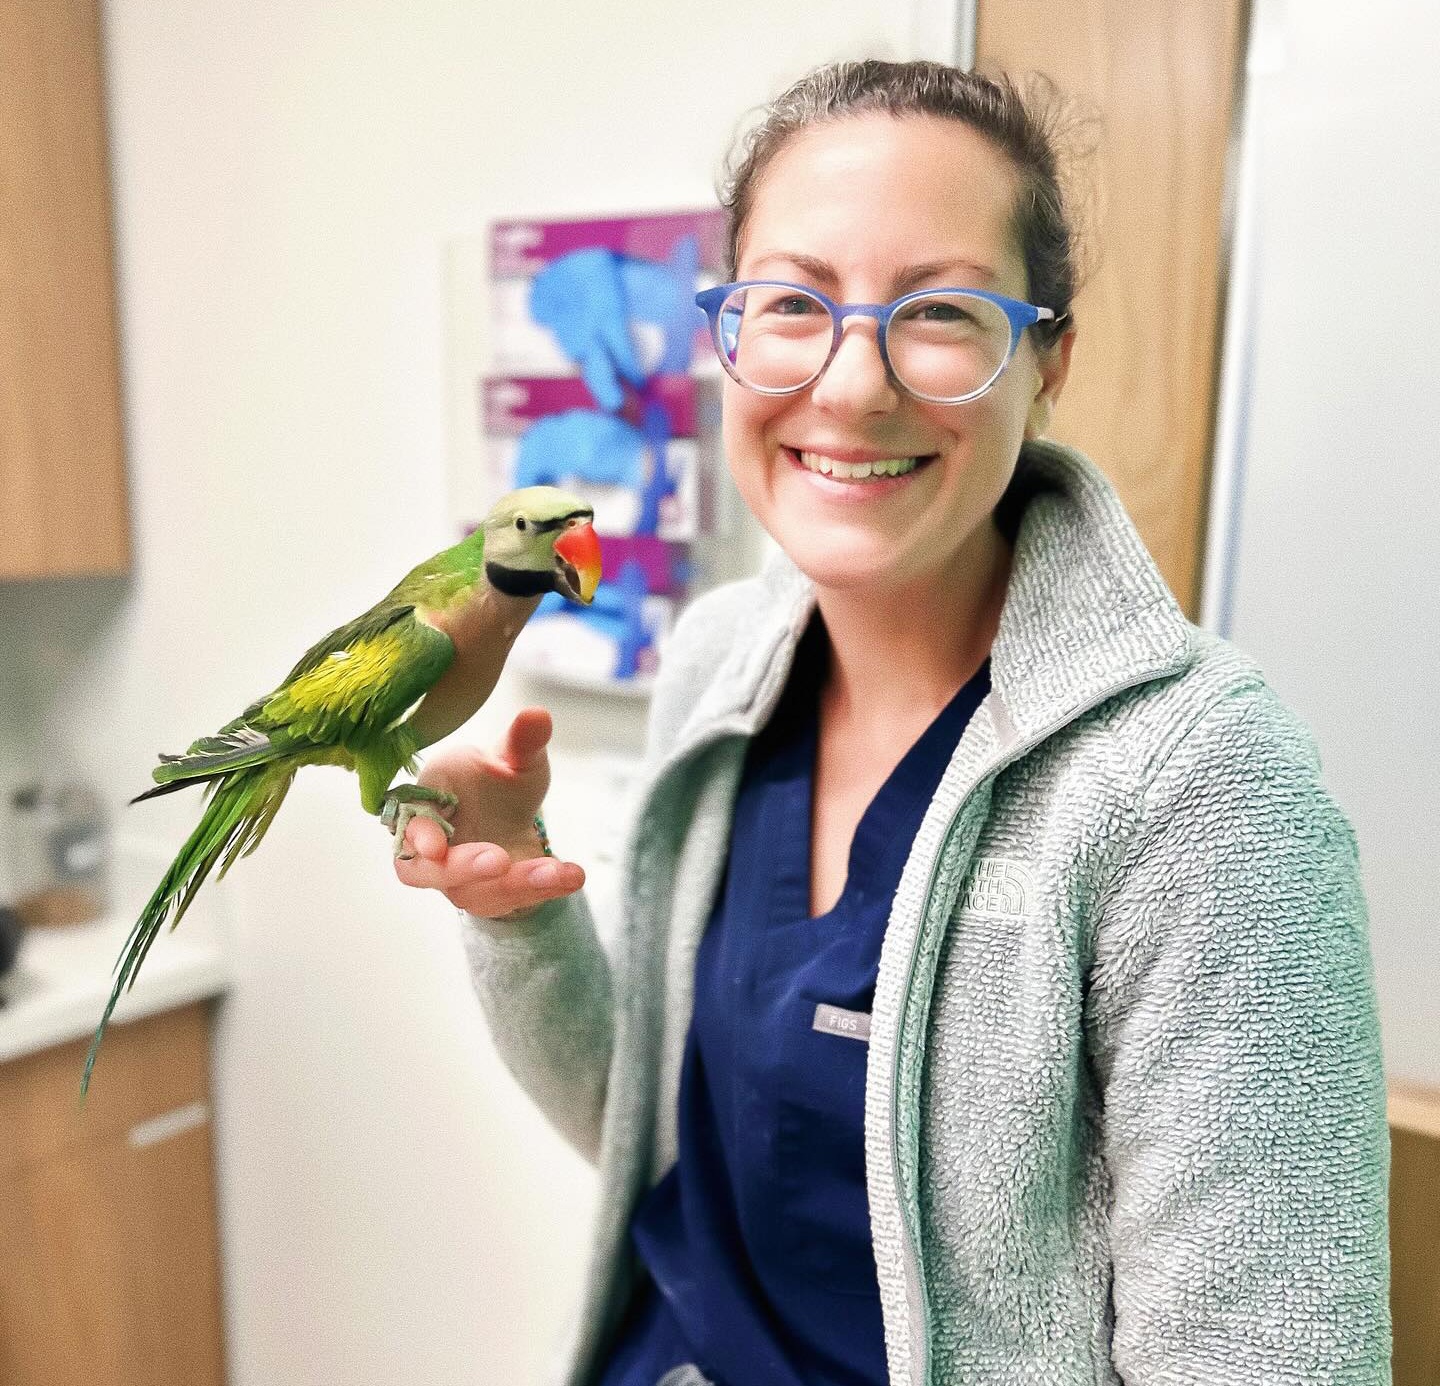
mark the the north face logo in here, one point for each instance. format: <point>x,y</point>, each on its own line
<point>999,888</point>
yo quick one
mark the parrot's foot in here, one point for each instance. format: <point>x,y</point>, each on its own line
<point>407,801</point>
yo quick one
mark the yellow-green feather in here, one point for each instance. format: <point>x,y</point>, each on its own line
<point>356,694</point>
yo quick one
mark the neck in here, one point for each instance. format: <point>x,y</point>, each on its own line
<point>483,616</point>
<point>926,638</point>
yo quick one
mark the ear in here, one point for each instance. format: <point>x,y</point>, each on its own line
<point>1052,365</point>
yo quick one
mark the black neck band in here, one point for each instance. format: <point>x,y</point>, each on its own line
<point>518,582</point>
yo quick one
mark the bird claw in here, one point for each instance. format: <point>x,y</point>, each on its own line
<point>408,802</point>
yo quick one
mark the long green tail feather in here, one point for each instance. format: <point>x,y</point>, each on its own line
<point>241,807</point>
<point>241,747</point>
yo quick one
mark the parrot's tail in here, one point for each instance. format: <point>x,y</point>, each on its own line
<point>242,806</point>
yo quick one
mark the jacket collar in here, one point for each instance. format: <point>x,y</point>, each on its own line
<point>1086,613</point>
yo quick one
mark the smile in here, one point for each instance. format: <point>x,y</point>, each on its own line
<point>878,469</point>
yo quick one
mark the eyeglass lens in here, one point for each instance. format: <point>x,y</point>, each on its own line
<point>943,345</point>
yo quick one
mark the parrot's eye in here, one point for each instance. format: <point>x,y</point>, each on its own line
<point>520,522</point>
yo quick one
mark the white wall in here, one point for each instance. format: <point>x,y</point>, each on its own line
<point>286,177</point>
<point>1337,554</point>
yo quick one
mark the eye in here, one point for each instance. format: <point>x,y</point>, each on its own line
<point>520,523</point>
<point>938,310</point>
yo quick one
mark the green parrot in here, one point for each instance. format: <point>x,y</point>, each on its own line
<point>371,694</point>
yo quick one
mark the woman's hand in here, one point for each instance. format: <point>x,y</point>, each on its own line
<point>493,866</point>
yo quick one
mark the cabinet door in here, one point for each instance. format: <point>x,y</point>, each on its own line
<point>1415,1233</point>
<point>24,1319</point>
<point>108,1246</point>
<point>110,1267</point>
<point>62,485</point>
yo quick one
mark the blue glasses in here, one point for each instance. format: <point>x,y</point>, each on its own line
<point>945,346</point>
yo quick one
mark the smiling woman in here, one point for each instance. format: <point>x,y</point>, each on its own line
<point>994,999</point>
<point>872,207</point>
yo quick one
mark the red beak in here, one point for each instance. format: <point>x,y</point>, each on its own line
<point>579,549</point>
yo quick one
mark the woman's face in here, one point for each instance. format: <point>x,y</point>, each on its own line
<point>865,209</point>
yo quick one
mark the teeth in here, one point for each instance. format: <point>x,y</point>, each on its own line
<point>857,471</point>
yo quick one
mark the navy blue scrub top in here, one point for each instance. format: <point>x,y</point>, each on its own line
<point>757,1241</point>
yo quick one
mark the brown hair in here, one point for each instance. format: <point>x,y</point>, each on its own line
<point>1023,125</point>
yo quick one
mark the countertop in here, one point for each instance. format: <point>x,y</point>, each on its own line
<point>60,983</point>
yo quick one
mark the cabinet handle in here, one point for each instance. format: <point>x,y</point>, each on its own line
<point>168,1124</point>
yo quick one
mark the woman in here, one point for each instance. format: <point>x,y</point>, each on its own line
<point>993,1001</point>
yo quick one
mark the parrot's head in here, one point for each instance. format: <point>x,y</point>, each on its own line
<point>540,539</point>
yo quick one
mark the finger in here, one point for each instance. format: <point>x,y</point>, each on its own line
<point>460,866</point>
<point>518,890</point>
<point>524,744</point>
<point>427,838</point>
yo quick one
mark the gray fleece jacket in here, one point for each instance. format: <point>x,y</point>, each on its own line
<point>1124,1113</point>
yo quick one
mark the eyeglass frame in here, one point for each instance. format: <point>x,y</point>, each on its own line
<point>1018,313</point>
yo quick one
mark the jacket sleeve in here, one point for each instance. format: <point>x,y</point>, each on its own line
<point>1236,1041</point>
<point>544,986</point>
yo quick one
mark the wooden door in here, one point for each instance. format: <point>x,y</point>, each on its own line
<point>1160,77</point>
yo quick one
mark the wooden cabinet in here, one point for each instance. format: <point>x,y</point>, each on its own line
<point>109,1260</point>
<point>63,504</point>
<point>1415,1233</point>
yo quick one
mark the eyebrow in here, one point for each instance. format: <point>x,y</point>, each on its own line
<point>910,277</point>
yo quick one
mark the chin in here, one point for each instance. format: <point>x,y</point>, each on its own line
<point>843,567</point>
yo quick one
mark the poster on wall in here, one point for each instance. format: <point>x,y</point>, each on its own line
<point>588,369</point>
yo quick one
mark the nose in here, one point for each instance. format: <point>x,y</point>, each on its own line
<point>856,380</point>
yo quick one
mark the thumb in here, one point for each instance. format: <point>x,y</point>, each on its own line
<point>524,745</point>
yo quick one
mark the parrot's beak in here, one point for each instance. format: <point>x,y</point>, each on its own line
<point>577,564</point>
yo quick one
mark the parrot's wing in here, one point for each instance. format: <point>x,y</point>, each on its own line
<point>361,680</point>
